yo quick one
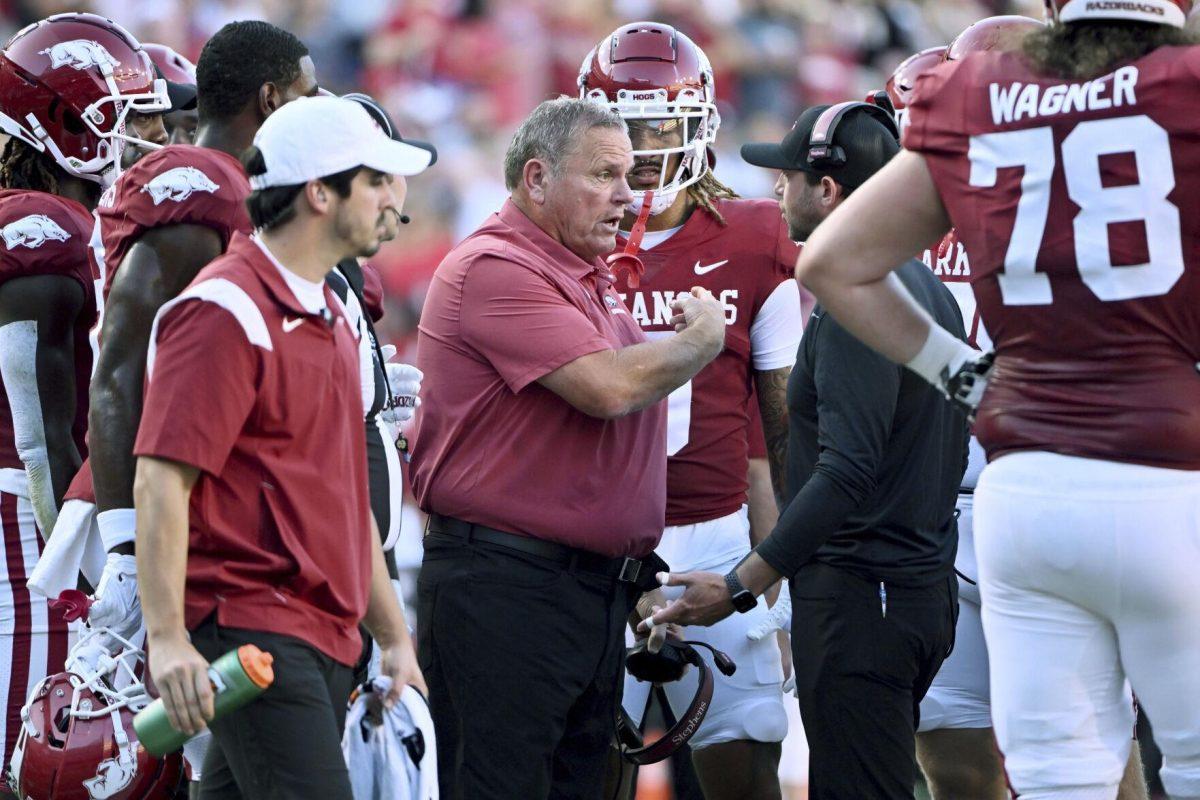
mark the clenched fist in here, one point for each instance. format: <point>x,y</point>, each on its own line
<point>702,313</point>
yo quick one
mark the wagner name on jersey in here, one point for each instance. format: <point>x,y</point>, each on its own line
<point>747,265</point>
<point>1092,292</point>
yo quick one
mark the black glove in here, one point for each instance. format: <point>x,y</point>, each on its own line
<point>965,388</point>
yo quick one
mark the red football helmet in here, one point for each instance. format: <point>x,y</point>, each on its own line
<point>67,85</point>
<point>993,33</point>
<point>900,85</point>
<point>173,66</point>
<point>77,740</point>
<point>1160,12</point>
<point>653,74</point>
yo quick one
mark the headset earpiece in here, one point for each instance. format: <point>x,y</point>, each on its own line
<point>822,152</point>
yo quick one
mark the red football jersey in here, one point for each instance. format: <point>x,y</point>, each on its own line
<point>949,261</point>
<point>45,234</point>
<point>743,264</point>
<point>178,185</point>
<point>1075,202</point>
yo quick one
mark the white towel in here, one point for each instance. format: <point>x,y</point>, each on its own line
<point>380,757</point>
<point>73,547</point>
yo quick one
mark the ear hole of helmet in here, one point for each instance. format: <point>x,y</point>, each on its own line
<point>62,720</point>
<point>73,123</point>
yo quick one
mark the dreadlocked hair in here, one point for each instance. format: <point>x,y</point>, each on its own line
<point>704,191</point>
<point>1085,49</point>
<point>22,167</point>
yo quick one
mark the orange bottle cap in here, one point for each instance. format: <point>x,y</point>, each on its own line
<point>257,665</point>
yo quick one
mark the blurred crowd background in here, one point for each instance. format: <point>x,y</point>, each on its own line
<point>463,73</point>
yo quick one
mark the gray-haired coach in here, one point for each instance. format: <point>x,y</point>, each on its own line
<point>540,454</point>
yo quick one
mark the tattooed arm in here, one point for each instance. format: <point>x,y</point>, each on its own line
<point>771,386</point>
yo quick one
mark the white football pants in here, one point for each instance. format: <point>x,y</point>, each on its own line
<point>747,705</point>
<point>1090,576</point>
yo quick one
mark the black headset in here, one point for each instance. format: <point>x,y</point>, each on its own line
<point>822,152</point>
<point>665,666</point>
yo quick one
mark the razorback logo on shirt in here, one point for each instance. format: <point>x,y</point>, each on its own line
<point>79,54</point>
<point>32,231</point>
<point>178,184</point>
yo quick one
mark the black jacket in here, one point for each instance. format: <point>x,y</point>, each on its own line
<point>875,455</point>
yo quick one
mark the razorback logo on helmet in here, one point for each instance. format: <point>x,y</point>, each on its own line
<point>112,775</point>
<point>32,231</point>
<point>178,184</point>
<point>79,54</point>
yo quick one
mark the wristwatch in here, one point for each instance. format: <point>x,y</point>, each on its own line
<point>743,600</point>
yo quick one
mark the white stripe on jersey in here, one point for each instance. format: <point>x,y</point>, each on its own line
<point>227,295</point>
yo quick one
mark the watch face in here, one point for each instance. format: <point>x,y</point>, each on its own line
<point>744,601</point>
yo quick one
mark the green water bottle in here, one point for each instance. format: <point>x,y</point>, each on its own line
<point>237,677</point>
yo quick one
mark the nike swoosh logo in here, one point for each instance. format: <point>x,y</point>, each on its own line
<point>705,270</point>
<point>290,325</point>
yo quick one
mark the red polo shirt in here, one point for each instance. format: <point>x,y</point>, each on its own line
<point>264,399</point>
<point>491,445</point>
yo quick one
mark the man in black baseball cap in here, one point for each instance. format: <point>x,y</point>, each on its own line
<point>821,164</point>
<point>384,120</point>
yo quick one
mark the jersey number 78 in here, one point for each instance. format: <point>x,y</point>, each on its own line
<point>1099,206</point>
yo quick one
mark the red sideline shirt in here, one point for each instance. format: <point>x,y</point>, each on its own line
<point>264,399</point>
<point>491,445</point>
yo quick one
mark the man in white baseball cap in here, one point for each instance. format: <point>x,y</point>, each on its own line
<point>325,135</point>
<point>251,477</point>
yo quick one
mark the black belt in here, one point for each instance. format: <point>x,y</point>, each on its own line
<point>640,572</point>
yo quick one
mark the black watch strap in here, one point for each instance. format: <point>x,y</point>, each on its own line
<point>743,600</point>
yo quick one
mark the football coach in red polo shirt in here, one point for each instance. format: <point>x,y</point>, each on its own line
<point>540,454</point>
<point>254,523</point>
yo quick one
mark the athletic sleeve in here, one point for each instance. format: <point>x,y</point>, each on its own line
<point>775,332</point>
<point>178,185</point>
<point>936,114</point>
<point>857,391</point>
<point>521,323</point>
<point>372,292</point>
<point>43,237</point>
